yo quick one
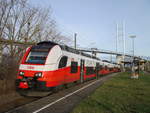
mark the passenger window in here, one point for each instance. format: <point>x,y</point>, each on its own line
<point>63,62</point>
<point>90,70</point>
<point>74,67</point>
<point>101,67</point>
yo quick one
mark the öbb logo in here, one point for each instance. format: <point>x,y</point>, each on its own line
<point>30,67</point>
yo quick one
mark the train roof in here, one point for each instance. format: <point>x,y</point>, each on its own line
<point>106,61</point>
<point>48,44</point>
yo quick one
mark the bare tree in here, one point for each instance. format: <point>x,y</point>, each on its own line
<point>22,22</point>
<point>4,15</point>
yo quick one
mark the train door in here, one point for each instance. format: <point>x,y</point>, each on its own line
<point>97,70</point>
<point>82,62</point>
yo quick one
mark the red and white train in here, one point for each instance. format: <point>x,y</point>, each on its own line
<point>48,65</point>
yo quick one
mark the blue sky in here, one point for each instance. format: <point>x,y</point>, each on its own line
<point>95,21</point>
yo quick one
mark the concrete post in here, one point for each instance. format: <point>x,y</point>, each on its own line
<point>119,60</point>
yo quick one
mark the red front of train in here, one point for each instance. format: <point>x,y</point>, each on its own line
<point>38,68</point>
<point>45,66</point>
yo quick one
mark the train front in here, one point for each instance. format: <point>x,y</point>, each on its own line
<point>34,67</point>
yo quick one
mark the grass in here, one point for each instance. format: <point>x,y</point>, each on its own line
<point>119,95</point>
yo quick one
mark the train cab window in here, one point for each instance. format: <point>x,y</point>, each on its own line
<point>37,57</point>
<point>74,67</point>
<point>63,62</point>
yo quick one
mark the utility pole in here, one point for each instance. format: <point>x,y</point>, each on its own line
<point>117,37</point>
<point>133,65</point>
<point>27,34</point>
<point>117,40</point>
<point>124,45</point>
<point>75,40</point>
<point>111,58</point>
<point>124,40</point>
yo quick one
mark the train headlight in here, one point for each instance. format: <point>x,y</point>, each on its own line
<point>21,73</point>
<point>38,74</point>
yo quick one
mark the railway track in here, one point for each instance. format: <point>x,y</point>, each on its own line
<point>56,101</point>
<point>16,103</point>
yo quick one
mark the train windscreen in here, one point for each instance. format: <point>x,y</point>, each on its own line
<point>37,57</point>
<point>39,52</point>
